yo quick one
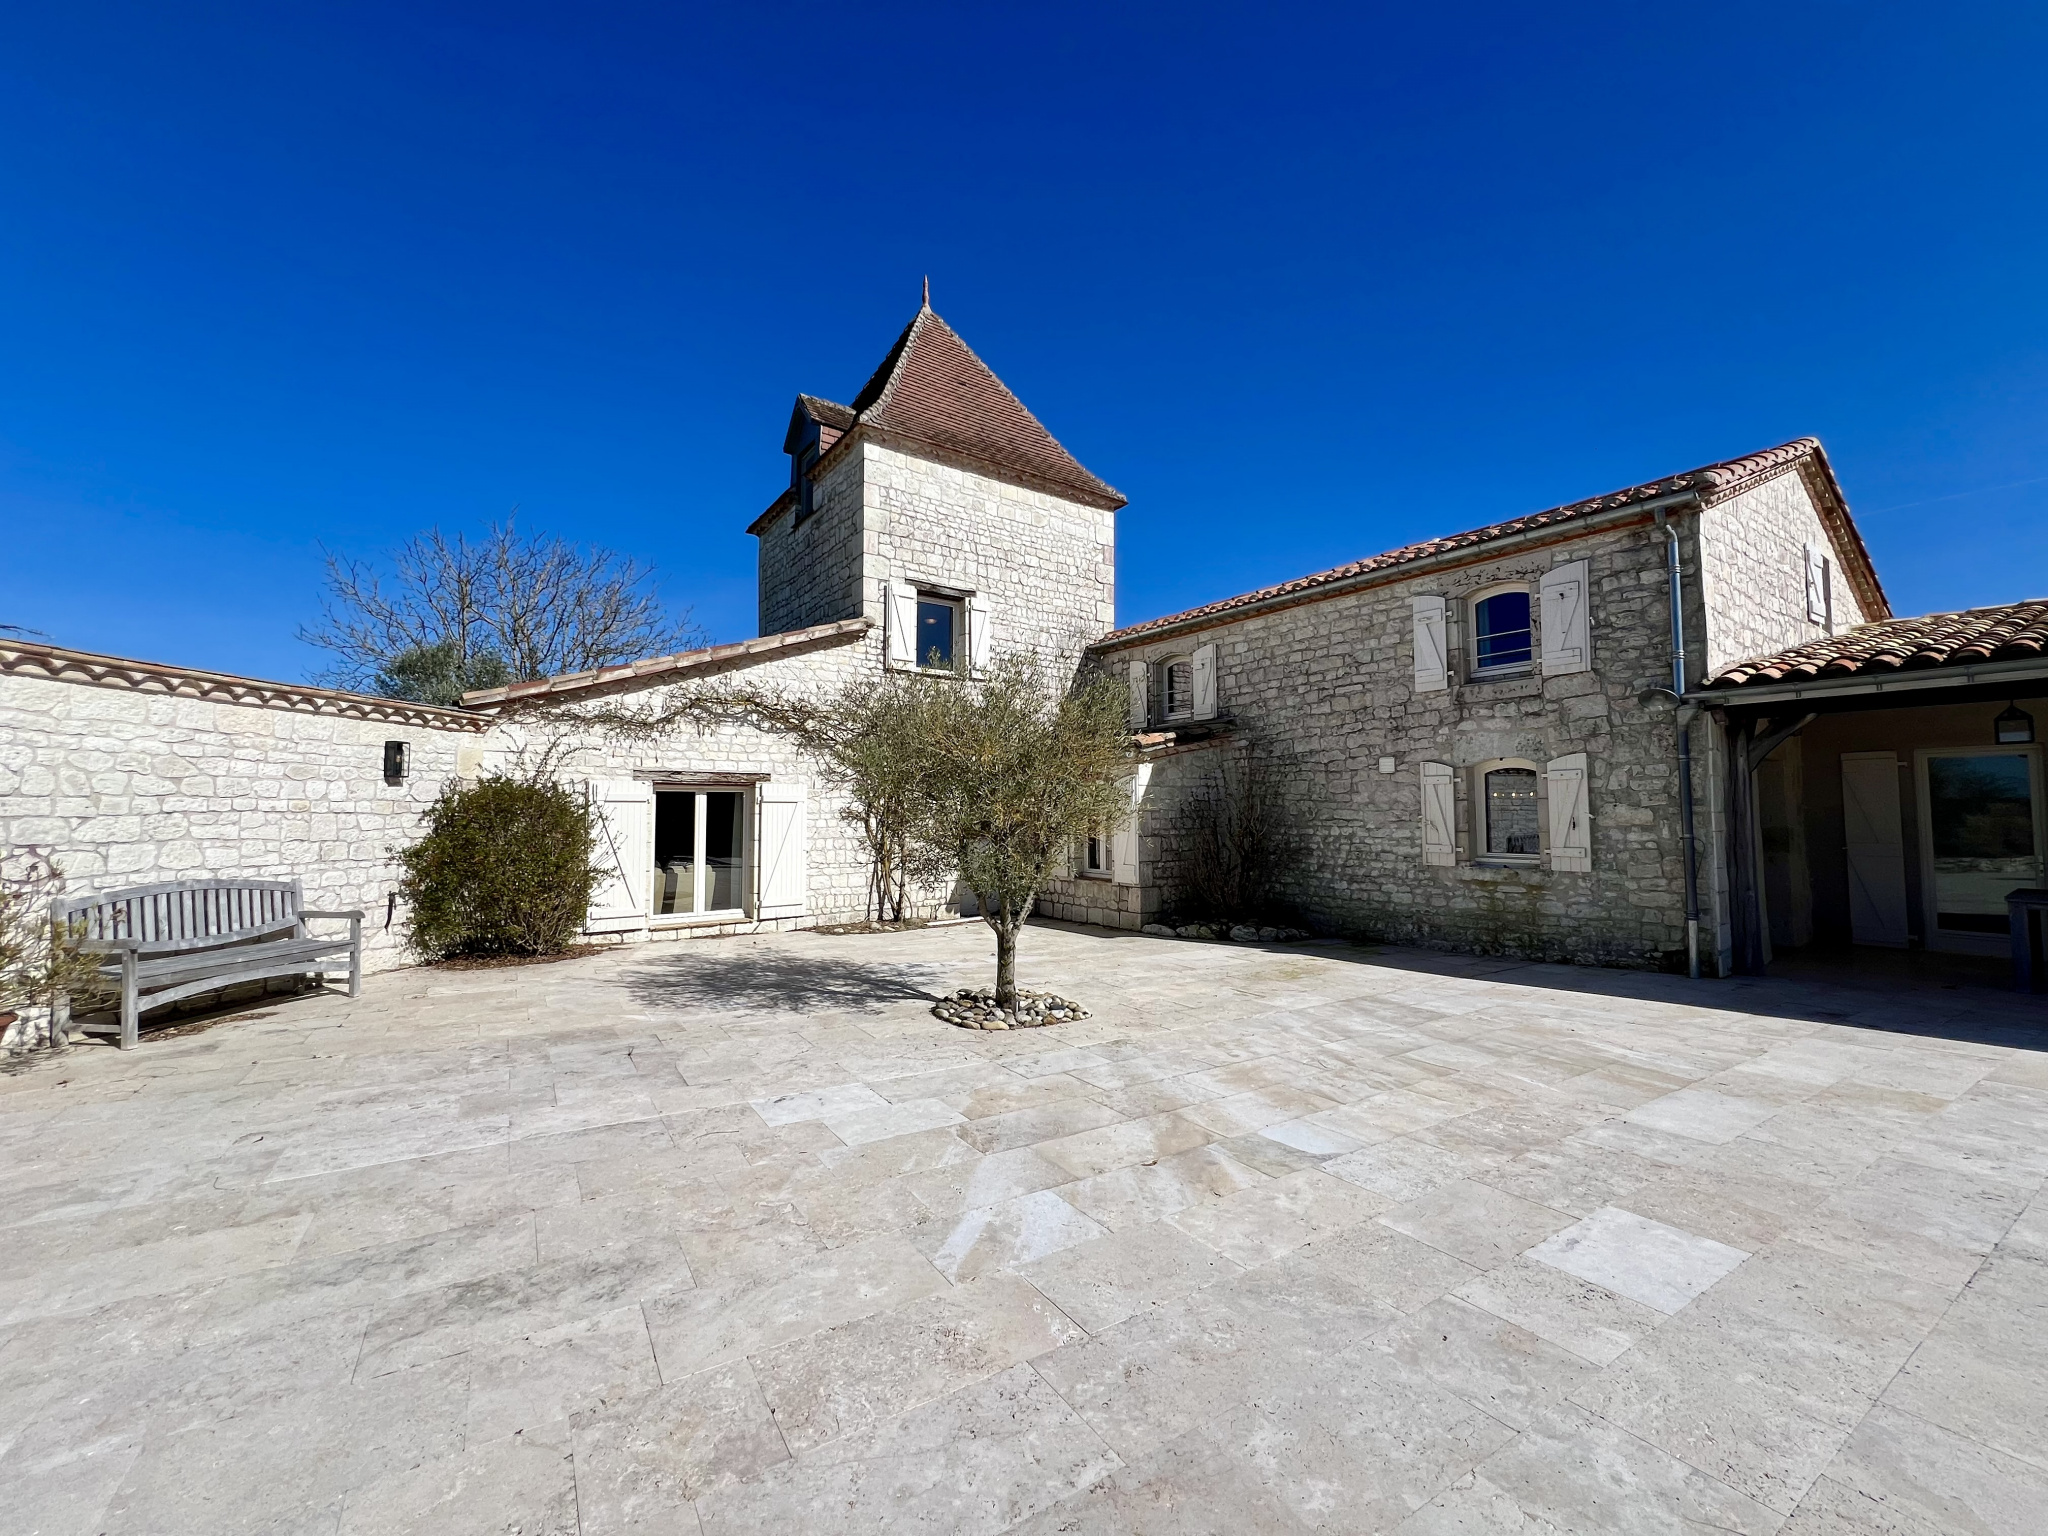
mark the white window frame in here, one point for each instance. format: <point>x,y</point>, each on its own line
<point>1167,711</point>
<point>1474,670</point>
<point>957,667</point>
<point>1477,783</point>
<point>743,835</point>
<point>1096,861</point>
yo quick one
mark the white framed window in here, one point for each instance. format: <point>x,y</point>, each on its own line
<point>1503,631</point>
<point>700,853</point>
<point>940,632</point>
<point>1507,812</point>
<point>1177,688</point>
<point>1095,855</point>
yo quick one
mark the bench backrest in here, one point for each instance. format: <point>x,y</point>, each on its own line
<point>186,914</point>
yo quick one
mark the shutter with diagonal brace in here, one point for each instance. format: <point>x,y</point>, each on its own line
<point>1439,814</point>
<point>1875,843</point>
<point>1432,664</point>
<point>1816,586</point>
<point>977,636</point>
<point>780,864</point>
<point>900,623</point>
<point>1125,867</point>
<point>1141,677</point>
<point>1205,682</point>
<point>625,812</point>
<point>1567,636</point>
<point>1571,824</point>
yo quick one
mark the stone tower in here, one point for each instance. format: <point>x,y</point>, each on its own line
<point>936,504</point>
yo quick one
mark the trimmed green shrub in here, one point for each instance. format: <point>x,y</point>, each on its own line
<point>505,868</point>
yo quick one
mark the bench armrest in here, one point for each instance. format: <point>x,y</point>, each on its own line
<point>358,916</point>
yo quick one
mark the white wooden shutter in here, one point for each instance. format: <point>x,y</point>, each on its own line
<point>781,867</point>
<point>977,636</point>
<point>1432,668</point>
<point>900,616</point>
<point>1876,848</point>
<point>625,816</point>
<point>1205,682</point>
<point>1141,678</point>
<point>1567,635</point>
<point>1123,847</point>
<point>1571,827</point>
<point>1816,587</point>
<point>1439,814</point>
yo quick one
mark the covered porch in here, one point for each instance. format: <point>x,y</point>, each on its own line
<point>1884,796</point>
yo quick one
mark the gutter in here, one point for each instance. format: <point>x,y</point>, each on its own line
<point>1682,722</point>
<point>1986,673</point>
<point>1450,559</point>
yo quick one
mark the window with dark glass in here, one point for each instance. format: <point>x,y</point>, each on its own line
<point>938,622</point>
<point>1502,632</point>
<point>1180,689</point>
<point>1511,812</point>
<point>1093,861</point>
<point>806,491</point>
<point>698,851</point>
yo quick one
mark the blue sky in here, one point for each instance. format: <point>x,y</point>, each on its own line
<point>1304,284</point>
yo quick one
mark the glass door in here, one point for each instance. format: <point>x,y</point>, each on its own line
<point>1980,837</point>
<point>699,852</point>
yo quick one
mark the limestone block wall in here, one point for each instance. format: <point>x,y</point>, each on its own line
<point>1753,572</point>
<point>810,572</point>
<point>1326,690</point>
<point>129,788</point>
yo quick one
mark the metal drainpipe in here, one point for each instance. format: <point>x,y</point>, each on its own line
<point>1683,721</point>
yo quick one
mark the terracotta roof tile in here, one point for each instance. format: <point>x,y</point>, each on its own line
<point>2012,632</point>
<point>651,668</point>
<point>1714,481</point>
<point>932,388</point>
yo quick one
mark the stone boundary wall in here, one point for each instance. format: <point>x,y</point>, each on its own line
<point>128,788</point>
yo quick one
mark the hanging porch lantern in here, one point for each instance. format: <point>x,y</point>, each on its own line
<point>2013,728</point>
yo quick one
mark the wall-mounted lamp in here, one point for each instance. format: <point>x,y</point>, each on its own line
<point>397,761</point>
<point>2014,728</point>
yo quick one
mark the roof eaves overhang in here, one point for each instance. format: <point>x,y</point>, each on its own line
<point>890,437</point>
<point>1643,512</point>
<point>1919,680</point>
<point>663,669</point>
<point>776,508</point>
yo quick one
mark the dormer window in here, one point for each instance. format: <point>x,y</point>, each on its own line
<point>1177,688</point>
<point>1502,636</point>
<point>801,465</point>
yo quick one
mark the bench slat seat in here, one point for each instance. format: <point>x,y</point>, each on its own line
<point>173,941</point>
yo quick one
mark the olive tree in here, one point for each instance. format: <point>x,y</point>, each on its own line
<point>1014,770</point>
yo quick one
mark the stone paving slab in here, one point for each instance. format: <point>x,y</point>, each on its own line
<point>733,1236</point>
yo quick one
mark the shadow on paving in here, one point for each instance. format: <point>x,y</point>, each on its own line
<point>758,982</point>
<point>1934,1001</point>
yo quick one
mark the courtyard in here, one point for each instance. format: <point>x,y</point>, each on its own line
<point>734,1236</point>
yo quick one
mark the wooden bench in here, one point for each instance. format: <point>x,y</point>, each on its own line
<point>191,936</point>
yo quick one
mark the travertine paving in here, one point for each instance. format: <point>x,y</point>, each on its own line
<point>733,1236</point>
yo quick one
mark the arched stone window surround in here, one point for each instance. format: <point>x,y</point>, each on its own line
<point>1176,684</point>
<point>1502,817</point>
<point>1522,642</point>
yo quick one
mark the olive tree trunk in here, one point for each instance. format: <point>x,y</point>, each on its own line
<point>1006,920</point>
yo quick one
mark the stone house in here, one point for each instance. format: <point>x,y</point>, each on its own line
<point>1480,741</point>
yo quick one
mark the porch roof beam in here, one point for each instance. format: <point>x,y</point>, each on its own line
<point>1982,674</point>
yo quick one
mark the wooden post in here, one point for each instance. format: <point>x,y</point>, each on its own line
<point>355,955</point>
<point>131,1010</point>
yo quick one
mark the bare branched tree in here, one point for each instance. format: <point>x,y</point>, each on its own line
<point>456,614</point>
<point>1239,836</point>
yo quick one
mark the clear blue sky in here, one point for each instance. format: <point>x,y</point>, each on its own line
<point>1304,285</point>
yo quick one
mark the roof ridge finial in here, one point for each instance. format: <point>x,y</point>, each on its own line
<point>927,290</point>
